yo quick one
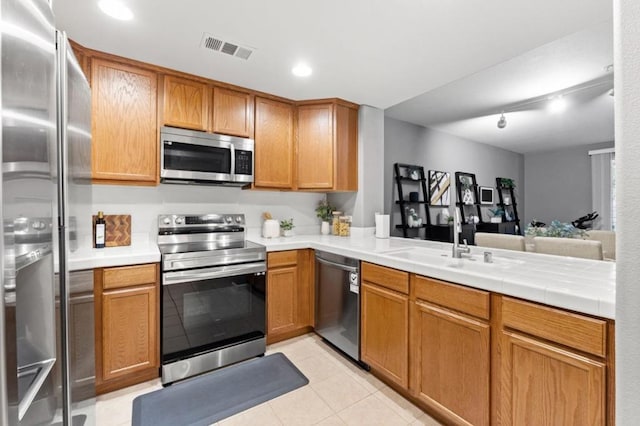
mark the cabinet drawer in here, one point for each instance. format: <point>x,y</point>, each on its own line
<point>573,330</point>
<point>127,276</point>
<point>386,277</point>
<point>452,296</point>
<point>278,259</point>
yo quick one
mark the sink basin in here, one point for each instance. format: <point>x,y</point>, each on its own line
<point>474,262</point>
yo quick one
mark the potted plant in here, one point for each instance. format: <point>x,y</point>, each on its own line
<point>324,212</point>
<point>287,227</point>
<point>507,183</point>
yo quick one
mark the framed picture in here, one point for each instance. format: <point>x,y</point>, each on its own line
<point>486,195</point>
<point>439,188</point>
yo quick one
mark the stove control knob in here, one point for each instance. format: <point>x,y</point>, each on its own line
<point>179,220</point>
<point>166,221</point>
<point>228,219</point>
<point>238,219</point>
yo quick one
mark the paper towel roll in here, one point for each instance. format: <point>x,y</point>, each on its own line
<point>382,226</point>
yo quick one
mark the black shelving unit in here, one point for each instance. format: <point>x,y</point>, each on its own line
<point>509,209</point>
<point>403,176</point>
<point>467,209</point>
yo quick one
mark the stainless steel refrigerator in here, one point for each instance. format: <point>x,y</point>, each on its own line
<point>45,189</point>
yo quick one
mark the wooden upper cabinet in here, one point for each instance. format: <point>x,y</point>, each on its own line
<point>274,144</point>
<point>232,112</point>
<point>124,125</point>
<point>327,146</point>
<point>185,103</point>
<point>315,146</point>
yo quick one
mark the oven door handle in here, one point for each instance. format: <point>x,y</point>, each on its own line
<point>170,278</point>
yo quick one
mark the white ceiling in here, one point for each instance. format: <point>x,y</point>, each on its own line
<point>374,52</point>
<point>470,107</point>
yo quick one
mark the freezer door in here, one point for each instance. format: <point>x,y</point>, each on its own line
<point>28,194</point>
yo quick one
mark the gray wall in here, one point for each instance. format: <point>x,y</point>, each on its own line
<point>557,184</point>
<point>408,143</point>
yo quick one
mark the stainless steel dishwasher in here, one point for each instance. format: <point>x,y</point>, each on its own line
<point>337,307</point>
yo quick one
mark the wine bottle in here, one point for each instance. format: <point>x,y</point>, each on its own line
<point>100,230</point>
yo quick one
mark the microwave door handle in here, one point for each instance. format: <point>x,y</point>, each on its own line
<point>233,161</point>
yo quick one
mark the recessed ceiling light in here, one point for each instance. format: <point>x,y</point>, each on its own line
<point>557,104</point>
<point>302,70</point>
<point>116,9</point>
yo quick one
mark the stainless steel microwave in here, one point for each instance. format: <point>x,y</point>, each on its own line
<point>188,156</point>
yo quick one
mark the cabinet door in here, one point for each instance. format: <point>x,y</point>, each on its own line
<point>450,363</point>
<point>186,103</point>
<point>232,112</point>
<point>546,385</point>
<point>315,146</point>
<point>129,331</point>
<point>385,328</point>
<point>282,300</point>
<point>125,146</point>
<point>274,144</point>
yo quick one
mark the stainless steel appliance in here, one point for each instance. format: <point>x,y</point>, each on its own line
<point>338,302</point>
<point>187,156</point>
<point>213,294</point>
<point>46,151</point>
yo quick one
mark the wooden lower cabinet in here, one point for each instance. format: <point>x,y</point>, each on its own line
<point>546,385</point>
<point>127,327</point>
<point>450,363</point>
<point>384,328</point>
<point>289,294</point>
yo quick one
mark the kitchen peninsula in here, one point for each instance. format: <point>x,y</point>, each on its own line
<point>465,327</point>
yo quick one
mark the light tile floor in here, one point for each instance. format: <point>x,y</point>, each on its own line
<point>339,393</point>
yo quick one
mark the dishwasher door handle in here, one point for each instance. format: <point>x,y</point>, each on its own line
<point>338,265</point>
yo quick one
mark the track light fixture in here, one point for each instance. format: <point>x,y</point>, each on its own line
<point>502,122</point>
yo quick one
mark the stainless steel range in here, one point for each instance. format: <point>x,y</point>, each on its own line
<point>213,294</point>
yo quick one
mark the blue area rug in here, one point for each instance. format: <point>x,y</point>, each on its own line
<point>214,396</point>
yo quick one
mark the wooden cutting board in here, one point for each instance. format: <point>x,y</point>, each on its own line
<point>117,230</point>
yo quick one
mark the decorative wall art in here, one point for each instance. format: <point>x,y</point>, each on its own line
<point>439,188</point>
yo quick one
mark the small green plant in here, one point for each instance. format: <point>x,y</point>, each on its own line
<point>287,224</point>
<point>507,183</point>
<point>556,229</point>
<point>324,210</point>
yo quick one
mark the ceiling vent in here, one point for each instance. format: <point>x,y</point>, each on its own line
<point>217,44</point>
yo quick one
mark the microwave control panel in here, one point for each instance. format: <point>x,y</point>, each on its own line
<point>244,162</point>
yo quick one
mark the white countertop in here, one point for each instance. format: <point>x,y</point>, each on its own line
<point>582,285</point>
<point>586,286</point>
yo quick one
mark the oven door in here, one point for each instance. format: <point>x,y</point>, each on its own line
<point>211,308</point>
<point>193,158</point>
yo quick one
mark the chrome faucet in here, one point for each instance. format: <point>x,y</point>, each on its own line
<point>457,251</point>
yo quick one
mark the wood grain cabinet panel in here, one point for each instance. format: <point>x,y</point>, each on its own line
<point>129,331</point>
<point>290,294</point>
<point>451,363</point>
<point>274,144</point>
<point>385,332</point>
<point>185,103</point>
<point>546,385</point>
<point>127,325</point>
<point>124,125</point>
<point>327,146</point>
<point>315,146</point>
<point>232,112</point>
<point>282,296</point>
